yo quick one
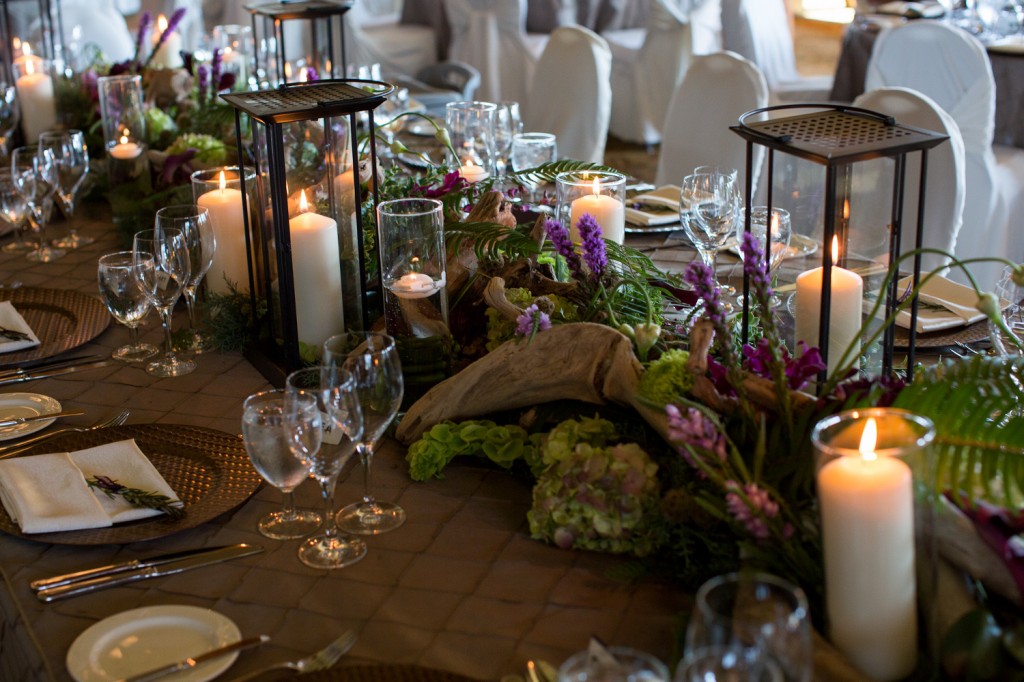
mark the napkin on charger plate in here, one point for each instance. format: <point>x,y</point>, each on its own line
<point>944,304</point>
<point>49,493</point>
<point>658,207</point>
<point>11,319</point>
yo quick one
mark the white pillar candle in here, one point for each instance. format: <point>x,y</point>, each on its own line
<point>169,54</point>
<point>35,96</point>
<point>228,222</point>
<point>316,271</point>
<point>844,314</point>
<point>471,172</point>
<point>609,212</point>
<point>867,524</point>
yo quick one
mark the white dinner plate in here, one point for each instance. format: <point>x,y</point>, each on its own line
<point>132,642</point>
<point>421,127</point>
<point>15,405</point>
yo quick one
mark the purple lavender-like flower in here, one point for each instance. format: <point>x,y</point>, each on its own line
<point>145,24</point>
<point>693,430</point>
<point>215,63</point>
<point>310,75</point>
<point>559,236</point>
<point>752,507</point>
<point>702,279</point>
<point>172,26</point>
<point>594,252</point>
<point>203,74</point>
<point>755,268</point>
<point>532,321</point>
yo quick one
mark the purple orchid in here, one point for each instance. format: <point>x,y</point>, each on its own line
<point>453,182</point>
<point>799,370</point>
<point>562,242</point>
<point>594,252</point>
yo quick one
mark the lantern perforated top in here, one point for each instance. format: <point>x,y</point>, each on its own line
<point>310,9</point>
<point>303,101</point>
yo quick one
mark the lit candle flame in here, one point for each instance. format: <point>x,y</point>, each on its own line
<point>287,69</point>
<point>327,67</point>
<point>161,23</point>
<point>303,75</point>
<point>835,249</point>
<point>124,137</point>
<point>868,439</point>
<point>597,186</point>
<point>223,182</point>
<point>468,163</point>
<point>26,48</point>
<point>303,203</point>
<point>30,67</point>
<point>846,209</point>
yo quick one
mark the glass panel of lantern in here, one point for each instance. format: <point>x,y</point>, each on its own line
<point>299,41</point>
<point>312,238</point>
<point>32,58</point>
<point>848,143</point>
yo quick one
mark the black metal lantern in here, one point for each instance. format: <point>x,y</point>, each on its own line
<point>322,22</point>
<point>837,137</point>
<point>49,40</point>
<point>304,236</point>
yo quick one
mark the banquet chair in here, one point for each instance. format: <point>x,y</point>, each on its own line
<point>97,22</point>
<point>400,49</point>
<point>575,68</point>
<point>647,65</point>
<point>759,31</point>
<point>716,90</point>
<point>944,198</point>
<point>952,68</point>
<point>491,36</point>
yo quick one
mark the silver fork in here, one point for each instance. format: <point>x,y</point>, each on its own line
<point>321,660</point>
<point>17,448</point>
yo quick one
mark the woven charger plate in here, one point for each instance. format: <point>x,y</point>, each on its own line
<point>61,319</point>
<point>383,673</point>
<point>971,333</point>
<point>209,470</point>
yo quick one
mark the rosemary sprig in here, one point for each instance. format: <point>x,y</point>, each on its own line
<point>138,498</point>
<point>13,334</point>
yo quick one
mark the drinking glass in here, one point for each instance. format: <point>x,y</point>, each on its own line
<point>35,175</point>
<point>372,359</point>
<point>756,616</point>
<point>194,223</point>
<point>471,128</point>
<point>126,300</point>
<point>614,664</point>
<point>72,157</point>
<point>163,285</point>
<point>708,208</point>
<point>15,211</point>
<point>10,117</point>
<point>781,231</point>
<point>734,664</point>
<point>333,389</point>
<point>507,125</point>
<point>530,150</point>
<point>269,422</point>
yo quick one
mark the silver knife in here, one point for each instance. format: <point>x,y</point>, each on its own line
<point>122,566</point>
<point>39,417</point>
<point>46,373</point>
<point>193,661</point>
<point>24,368</point>
<point>214,556</point>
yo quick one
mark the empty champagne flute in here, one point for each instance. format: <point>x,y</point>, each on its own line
<point>194,223</point>
<point>72,157</point>
<point>269,421</point>
<point>372,359</point>
<point>334,390</point>
<point>163,285</point>
<point>34,170</point>
<point>15,211</point>
<point>708,207</point>
<point>126,300</point>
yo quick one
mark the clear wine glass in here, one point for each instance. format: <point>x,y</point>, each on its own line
<point>268,424</point>
<point>530,150</point>
<point>334,390</point>
<point>15,211</point>
<point>782,232</point>
<point>35,174</point>
<point>72,157</point>
<point>164,285</point>
<point>10,117</point>
<point>507,124</point>
<point>755,618</point>
<point>708,209</point>
<point>126,300</point>
<point>194,223</point>
<point>372,359</point>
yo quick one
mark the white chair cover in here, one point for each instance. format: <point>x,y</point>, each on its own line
<point>400,49</point>
<point>572,93</point>
<point>97,22</point>
<point>716,90</point>
<point>759,31</point>
<point>491,36</point>
<point>951,67</point>
<point>647,66</point>
<point>943,213</point>
<point>705,25</point>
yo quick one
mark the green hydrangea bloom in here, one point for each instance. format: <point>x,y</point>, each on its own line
<point>667,378</point>
<point>209,150</point>
<point>159,124</point>
<point>503,445</point>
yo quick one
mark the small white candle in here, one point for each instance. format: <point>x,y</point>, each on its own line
<point>316,271</point>
<point>35,96</point>
<point>235,63</point>
<point>867,523</point>
<point>228,223</point>
<point>23,53</point>
<point>169,54</point>
<point>125,149</point>
<point>609,212</point>
<point>414,284</point>
<point>844,314</point>
<point>472,172</point>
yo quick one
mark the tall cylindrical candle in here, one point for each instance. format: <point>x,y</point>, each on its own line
<point>316,270</point>
<point>168,56</point>
<point>844,312</point>
<point>219,194</point>
<point>35,96</point>
<point>600,194</point>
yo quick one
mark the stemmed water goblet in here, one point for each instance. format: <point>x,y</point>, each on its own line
<point>15,211</point>
<point>333,389</point>
<point>194,223</point>
<point>72,158</point>
<point>781,233</point>
<point>372,360</point>
<point>708,209</point>
<point>507,125</point>
<point>270,426</point>
<point>163,285</point>
<point>34,170</point>
<point>126,300</point>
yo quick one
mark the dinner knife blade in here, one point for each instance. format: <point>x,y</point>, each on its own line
<point>48,364</point>
<point>193,661</point>
<point>131,565</point>
<point>46,373</point>
<point>39,417</point>
<point>169,568</point>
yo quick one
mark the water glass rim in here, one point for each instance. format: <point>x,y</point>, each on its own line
<point>182,211</point>
<point>535,137</point>
<point>800,609</point>
<point>430,206</point>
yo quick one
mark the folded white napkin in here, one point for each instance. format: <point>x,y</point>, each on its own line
<point>12,319</point>
<point>48,493</point>
<point>658,207</point>
<point>944,304</point>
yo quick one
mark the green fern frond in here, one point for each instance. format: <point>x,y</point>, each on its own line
<point>977,406</point>
<point>546,172</point>
<point>491,239</point>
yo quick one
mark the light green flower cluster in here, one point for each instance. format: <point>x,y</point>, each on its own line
<point>209,150</point>
<point>595,495</point>
<point>667,378</point>
<point>501,329</point>
<point>503,445</point>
